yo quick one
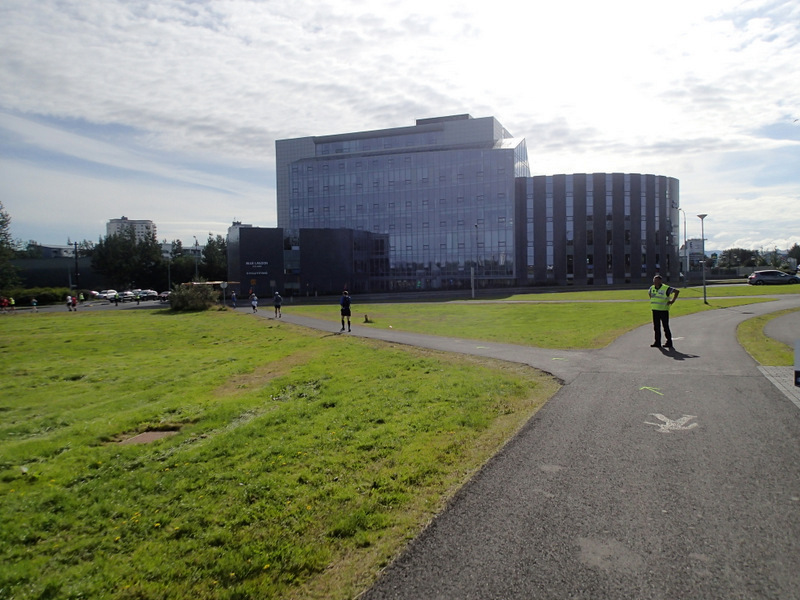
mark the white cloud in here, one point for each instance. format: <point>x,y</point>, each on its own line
<point>184,100</point>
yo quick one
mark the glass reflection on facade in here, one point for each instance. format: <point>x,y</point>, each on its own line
<point>443,192</point>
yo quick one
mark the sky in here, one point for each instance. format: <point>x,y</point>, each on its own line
<point>169,110</point>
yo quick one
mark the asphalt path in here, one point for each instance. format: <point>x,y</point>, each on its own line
<point>652,473</point>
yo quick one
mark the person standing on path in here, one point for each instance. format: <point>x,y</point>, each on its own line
<point>254,302</point>
<point>661,298</point>
<point>277,301</point>
<point>233,299</point>
<point>35,304</point>
<point>69,303</point>
<point>345,304</point>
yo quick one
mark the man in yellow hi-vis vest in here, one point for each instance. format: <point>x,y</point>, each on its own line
<point>661,298</point>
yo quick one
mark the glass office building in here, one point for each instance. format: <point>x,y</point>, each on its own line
<point>442,191</point>
<point>450,197</point>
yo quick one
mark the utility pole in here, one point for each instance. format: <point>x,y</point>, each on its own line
<point>77,274</point>
<point>703,245</point>
<point>196,251</point>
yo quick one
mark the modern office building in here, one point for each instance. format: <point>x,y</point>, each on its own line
<point>448,199</point>
<point>599,228</point>
<point>142,229</point>
<point>442,191</point>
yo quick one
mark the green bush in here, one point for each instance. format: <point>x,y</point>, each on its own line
<point>192,298</point>
<point>44,295</point>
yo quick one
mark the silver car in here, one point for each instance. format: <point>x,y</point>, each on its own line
<point>762,277</point>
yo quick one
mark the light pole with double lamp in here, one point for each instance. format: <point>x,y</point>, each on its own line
<point>703,250</point>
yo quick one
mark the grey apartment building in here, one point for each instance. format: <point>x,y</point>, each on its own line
<point>451,198</point>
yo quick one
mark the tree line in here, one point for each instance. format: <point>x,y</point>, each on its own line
<point>743,257</point>
<point>125,262</point>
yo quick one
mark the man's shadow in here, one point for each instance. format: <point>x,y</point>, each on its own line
<point>676,355</point>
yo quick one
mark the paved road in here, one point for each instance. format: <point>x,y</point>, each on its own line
<point>650,474</point>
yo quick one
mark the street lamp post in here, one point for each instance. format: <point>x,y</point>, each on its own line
<point>196,249</point>
<point>703,250</point>
<point>77,272</point>
<point>169,266</point>
<point>685,265</point>
<point>473,270</point>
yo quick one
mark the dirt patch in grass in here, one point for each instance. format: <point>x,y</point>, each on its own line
<point>264,374</point>
<point>146,437</point>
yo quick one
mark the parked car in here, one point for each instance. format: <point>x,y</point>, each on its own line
<point>148,295</point>
<point>127,296</point>
<point>164,296</point>
<point>762,277</point>
<point>106,295</point>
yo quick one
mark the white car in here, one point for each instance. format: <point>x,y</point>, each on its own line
<point>106,295</point>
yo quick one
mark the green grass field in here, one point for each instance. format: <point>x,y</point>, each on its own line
<point>300,462</point>
<point>542,320</point>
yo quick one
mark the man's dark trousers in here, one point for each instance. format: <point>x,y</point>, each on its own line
<point>661,317</point>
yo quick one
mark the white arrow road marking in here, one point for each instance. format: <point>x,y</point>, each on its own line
<point>669,425</point>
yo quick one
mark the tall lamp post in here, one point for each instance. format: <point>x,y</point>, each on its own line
<point>473,270</point>
<point>169,266</point>
<point>685,264</point>
<point>196,250</point>
<point>77,272</point>
<point>703,250</point>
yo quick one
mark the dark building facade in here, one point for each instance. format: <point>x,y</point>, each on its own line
<point>599,228</point>
<point>310,262</point>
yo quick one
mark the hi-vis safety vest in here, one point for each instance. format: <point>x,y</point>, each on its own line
<point>659,298</point>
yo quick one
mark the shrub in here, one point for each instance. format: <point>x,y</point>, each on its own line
<point>187,298</point>
<point>44,295</point>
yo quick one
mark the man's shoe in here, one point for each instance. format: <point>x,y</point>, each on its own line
<point>668,345</point>
<point>342,329</point>
<point>656,345</point>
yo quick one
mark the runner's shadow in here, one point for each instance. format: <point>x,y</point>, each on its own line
<point>675,355</point>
